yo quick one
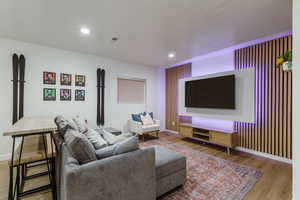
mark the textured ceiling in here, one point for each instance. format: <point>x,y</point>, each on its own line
<point>148,30</point>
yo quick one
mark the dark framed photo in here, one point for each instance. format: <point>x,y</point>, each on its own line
<point>80,80</point>
<point>65,79</point>
<point>49,94</point>
<point>65,94</point>
<point>49,78</point>
<point>79,95</point>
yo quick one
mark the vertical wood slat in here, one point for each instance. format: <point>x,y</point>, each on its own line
<point>172,76</point>
<point>272,131</point>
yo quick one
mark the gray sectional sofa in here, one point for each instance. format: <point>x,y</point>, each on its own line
<point>141,174</point>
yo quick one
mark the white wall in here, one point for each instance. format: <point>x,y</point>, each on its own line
<point>40,58</point>
<point>296,99</point>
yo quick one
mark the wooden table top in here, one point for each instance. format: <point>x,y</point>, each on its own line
<point>30,125</point>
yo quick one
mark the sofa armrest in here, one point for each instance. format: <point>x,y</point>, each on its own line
<point>127,176</point>
<point>156,121</point>
<point>135,127</point>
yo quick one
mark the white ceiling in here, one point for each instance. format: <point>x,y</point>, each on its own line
<point>148,30</point>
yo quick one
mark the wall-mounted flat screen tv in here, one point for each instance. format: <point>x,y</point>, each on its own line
<point>217,92</point>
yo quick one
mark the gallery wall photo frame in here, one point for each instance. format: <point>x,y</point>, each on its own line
<point>80,80</point>
<point>79,95</point>
<point>65,79</point>
<point>49,94</point>
<point>49,78</point>
<point>65,94</point>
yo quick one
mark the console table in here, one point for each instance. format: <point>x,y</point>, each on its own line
<point>37,147</point>
<point>224,138</point>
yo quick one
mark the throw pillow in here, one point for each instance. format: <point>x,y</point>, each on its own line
<point>147,120</point>
<point>130,144</point>
<point>64,124</point>
<point>81,124</point>
<point>112,139</point>
<point>150,113</point>
<point>79,146</point>
<point>136,117</point>
<point>96,139</point>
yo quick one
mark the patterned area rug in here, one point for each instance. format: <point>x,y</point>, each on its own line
<point>209,177</point>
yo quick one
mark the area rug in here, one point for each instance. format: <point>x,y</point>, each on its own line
<point>209,177</point>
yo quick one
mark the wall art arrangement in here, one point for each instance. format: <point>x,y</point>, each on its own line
<point>79,95</point>
<point>65,79</point>
<point>65,94</point>
<point>49,94</point>
<point>80,80</point>
<point>49,78</point>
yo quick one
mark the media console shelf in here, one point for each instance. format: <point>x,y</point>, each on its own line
<point>227,139</point>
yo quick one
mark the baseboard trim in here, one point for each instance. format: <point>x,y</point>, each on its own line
<point>265,155</point>
<point>4,157</point>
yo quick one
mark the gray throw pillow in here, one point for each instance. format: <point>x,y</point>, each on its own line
<point>127,145</point>
<point>112,139</point>
<point>64,124</point>
<point>81,124</point>
<point>96,139</point>
<point>79,146</point>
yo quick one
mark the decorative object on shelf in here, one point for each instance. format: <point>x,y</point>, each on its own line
<point>18,67</point>
<point>100,96</point>
<point>65,94</point>
<point>79,95</point>
<point>49,78</point>
<point>49,94</point>
<point>80,80</point>
<point>65,79</point>
<point>286,61</point>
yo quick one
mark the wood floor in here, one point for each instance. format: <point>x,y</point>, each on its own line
<point>275,184</point>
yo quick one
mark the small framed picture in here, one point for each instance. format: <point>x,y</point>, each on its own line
<point>49,78</point>
<point>79,95</point>
<point>49,94</point>
<point>65,79</point>
<point>65,94</point>
<point>80,80</point>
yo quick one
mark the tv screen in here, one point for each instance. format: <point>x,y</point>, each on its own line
<point>217,92</point>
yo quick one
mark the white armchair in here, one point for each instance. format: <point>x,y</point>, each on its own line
<point>140,129</point>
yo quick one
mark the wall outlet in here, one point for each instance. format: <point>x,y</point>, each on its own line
<point>173,123</point>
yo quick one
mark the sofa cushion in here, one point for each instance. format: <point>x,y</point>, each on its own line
<point>127,145</point>
<point>96,139</point>
<point>79,146</point>
<point>168,162</point>
<point>112,139</point>
<point>81,124</point>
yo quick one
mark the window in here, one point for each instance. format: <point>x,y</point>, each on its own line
<point>131,91</point>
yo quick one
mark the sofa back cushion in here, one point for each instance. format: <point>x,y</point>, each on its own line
<point>64,124</point>
<point>79,146</point>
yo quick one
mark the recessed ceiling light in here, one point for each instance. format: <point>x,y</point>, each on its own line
<point>171,55</point>
<point>85,31</point>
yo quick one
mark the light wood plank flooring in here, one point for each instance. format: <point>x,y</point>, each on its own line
<point>275,184</point>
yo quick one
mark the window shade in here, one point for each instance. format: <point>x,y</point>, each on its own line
<point>131,91</point>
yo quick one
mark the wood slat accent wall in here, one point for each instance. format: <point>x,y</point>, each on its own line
<point>172,76</point>
<point>272,132</point>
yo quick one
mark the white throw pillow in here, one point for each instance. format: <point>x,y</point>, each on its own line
<point>147,120</point>
<point>96,139</point>
<point>81,124</point>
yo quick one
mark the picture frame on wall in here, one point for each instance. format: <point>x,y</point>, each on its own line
<point>49,94</point>
<point>80,80</point>
<point>65,94</point>
<point>49,78</point>
<point>65,79</point>
<point>79,95</point>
